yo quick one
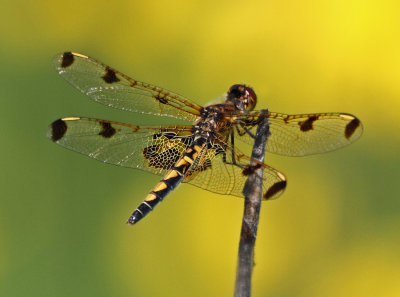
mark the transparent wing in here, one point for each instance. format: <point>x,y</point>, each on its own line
<point>153,149</point>
<point>156,149</point>
<point>112,88</point>
<point>214,171</point>
<point>301,134</point>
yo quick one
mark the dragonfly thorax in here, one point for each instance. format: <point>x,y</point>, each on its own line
<point>213,118</point>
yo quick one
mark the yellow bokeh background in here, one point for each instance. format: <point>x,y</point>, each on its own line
<point>334,232</point>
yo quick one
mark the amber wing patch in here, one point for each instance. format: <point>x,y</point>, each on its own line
<point>165,150</point>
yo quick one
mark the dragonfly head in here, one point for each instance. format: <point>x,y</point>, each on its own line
<point>243,97</point>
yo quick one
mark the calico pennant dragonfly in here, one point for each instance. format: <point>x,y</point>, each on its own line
<point>204,153</point>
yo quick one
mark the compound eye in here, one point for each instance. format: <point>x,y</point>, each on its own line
<point>236,88</point>
<point>242,96</point>
<point>252,98</point>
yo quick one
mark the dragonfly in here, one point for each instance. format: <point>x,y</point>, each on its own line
<point>203,153</point>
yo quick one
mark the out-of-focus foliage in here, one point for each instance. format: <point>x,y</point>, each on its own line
<point>335,232</point>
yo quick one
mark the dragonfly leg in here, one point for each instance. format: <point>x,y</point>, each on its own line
<point>233,147</point>
<point>247,131</point>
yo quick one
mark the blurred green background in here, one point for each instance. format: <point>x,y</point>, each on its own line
<point>335,231</point>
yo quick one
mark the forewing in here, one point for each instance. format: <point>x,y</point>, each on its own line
<point>154,149</point>
<point>215,172</point>
<point>115,89</point>
<point>302,134</point>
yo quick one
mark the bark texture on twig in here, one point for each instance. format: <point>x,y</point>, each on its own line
<point>252,192</point>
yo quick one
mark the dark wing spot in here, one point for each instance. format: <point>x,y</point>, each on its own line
<point>110,76</point>
<point>250,169</point>
<point>67,59</point>
<point>108,131</point>
<point>274,189</point>
<point>307,125</point>
<point>161,100</point>
<point>58,129</point>
<point>351,127</point>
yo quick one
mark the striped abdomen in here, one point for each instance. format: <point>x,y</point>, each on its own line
<point>173,177</point>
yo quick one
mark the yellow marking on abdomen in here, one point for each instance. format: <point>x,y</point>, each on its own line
<point>171,174</point>
<point>160,186</point>
<point>150,197</point>
<point>181,162</point>
<point>188,159</point>
<point>197,148</point>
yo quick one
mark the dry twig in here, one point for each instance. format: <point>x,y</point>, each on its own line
<point>252,192</point>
